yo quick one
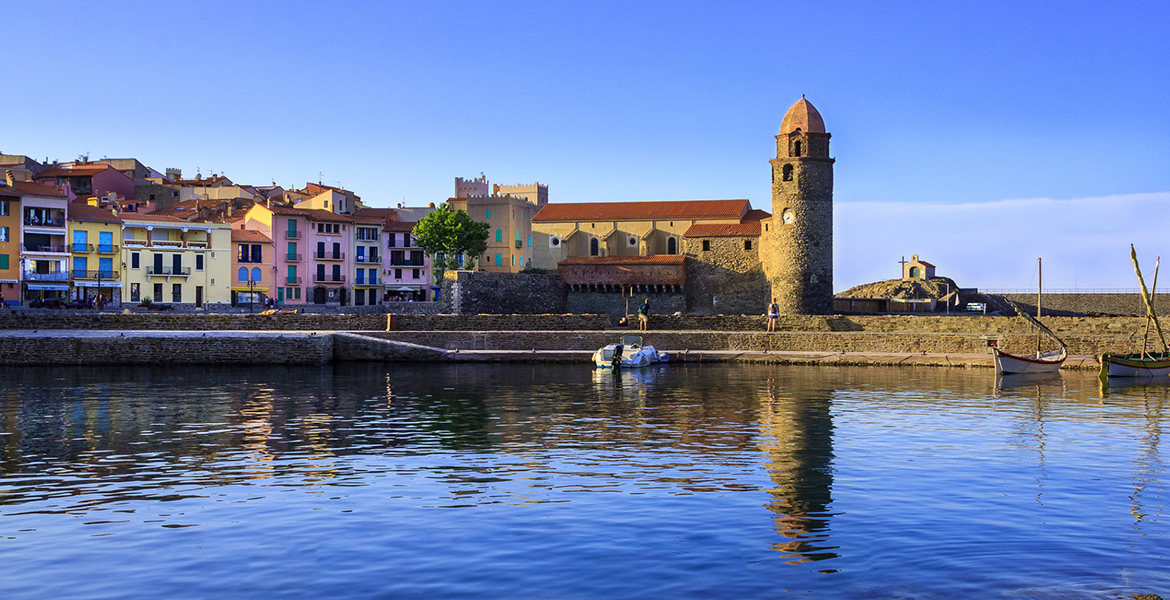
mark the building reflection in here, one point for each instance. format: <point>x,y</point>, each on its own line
<point>797,439</point>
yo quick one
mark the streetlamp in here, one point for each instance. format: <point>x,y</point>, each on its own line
<point>253,276</point>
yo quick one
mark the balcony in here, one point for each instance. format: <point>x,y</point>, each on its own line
<point>292,258</point>
<point>50,222</point>
<point>75,247</point>
<point>202,244</point>
<point>42,248</point>
<point>405,262</point>
<point>58,276</point>
<point>166,243</point>
<point>292,280</point>
<point>132,243</point>
<point>319,278</point>
<point>370,283</point>
<point>107,248</point>
<point>329,255</point>
<point>168,272</point>
<point>367,237</point>
<point>370,260</point>
<point>95,275</point>
<point>292,235</point>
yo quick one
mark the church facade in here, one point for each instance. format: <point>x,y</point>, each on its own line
<point>706,256</point>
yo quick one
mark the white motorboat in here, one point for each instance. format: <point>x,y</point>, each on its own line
<point>629,352</point>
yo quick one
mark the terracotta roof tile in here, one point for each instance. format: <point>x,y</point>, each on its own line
<point>151,217</point>
<point>75,171</point>
<point>93,214</point>
<point>614,211</point>
<point>249,235</point>
<point>28,188</point>
<point>723,229</point>
<point>316,214</point>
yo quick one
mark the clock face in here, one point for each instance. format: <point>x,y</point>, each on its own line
<point>789,217</point>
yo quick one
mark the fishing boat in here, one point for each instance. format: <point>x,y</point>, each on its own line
<point>1040,362</point>
<point>626,353</point>
<point>1143,364</point>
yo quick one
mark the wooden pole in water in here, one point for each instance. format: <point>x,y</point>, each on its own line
<point>1039,288</point>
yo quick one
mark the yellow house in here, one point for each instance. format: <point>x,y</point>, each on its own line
<point>95,249</point>
<point>9,244</point>
<point>173,261</point>
<point>508,211</point>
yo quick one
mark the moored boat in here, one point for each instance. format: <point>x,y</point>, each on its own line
<point>626,353</point>
<point>1147,365</point>
<point>1040,362</point>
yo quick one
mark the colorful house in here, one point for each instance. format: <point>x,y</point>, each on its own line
<point>174,261</point>
<point>95,248</point>
<point>253,270</point>
<point>367,260</point>
<point>88,179</point>
<point>44,257</point>
<point>314,260</point>
<point>407,270</point>
<point>9,243</point>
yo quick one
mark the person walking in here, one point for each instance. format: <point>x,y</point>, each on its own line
<point>773,314</point>
<point>644,315</point>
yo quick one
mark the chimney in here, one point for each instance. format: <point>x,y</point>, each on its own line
<point>9,178</point>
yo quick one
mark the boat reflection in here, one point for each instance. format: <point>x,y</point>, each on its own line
<point>1019,380</point>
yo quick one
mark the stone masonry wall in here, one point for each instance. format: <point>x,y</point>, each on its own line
<point>614,305</point>
<point>1129,304</point>
<point>477,292</point>
<point>727,279</point>
<point>166,349</point>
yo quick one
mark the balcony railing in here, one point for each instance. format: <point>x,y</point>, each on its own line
<point>328,278</point>
<point>99,274</point>
<point>197,244</point>
<point>329,255</point>
<point>405,262</point>
<point>370,283</point>
<point>40,248</point>
<point>167,243</point>
<point>292,235</point>
<point>368,259</point>
<point>292,257</point>
<point>169,271</point>
<point>57,222</point>
<point>292,280</point>
<point>107,248</point>
<point>132,243</point>
<point>367,237</point>
<point>76,247</point>
<point>58,276</point>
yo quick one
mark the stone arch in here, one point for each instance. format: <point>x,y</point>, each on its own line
<point>671,245</point>
<point>788,172</point>
<point>594,247</point>
<point>796,148</point>
<point>915,272</point>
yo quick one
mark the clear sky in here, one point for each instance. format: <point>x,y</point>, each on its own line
<point>978,135</point>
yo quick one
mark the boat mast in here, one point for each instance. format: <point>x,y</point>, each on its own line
<point>1153,287</point>
<point>1039,289</point>
<point>1146,297</point>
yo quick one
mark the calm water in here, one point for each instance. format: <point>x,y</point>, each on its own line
<point>555,481</point>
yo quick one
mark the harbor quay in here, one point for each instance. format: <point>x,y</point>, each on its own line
<point>61,337</point>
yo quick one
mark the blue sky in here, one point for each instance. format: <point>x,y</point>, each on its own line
<point>977,135</point>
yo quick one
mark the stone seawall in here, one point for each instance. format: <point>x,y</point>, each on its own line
<point>158,348</point>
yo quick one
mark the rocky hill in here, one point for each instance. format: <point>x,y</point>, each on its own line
<point>903,289</point>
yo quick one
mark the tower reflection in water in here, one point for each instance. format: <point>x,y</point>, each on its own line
<point>797,439</point>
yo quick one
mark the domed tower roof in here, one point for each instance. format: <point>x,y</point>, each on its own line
<point>804,116</point>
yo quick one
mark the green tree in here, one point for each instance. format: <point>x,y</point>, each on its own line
<point>445,234</point>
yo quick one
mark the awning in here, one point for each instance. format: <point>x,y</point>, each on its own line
<point>256,288</point>
<point>406,288</point>
<point>49,287</point>
<point>105,284</point>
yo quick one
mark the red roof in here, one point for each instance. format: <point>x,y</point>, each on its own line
<point>76,171</point>
<point>723,229</point>
<point>28,188</point>
<point>249,235</point>
<point>85,212</point>
<point>656,259</point>
<point>316,214</point>
<point>399,226</point>
<point>151,217</point>
<point>626,211</point>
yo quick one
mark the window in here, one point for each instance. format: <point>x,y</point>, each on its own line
<point>398,273</point>
<point>198,262</point>
<point>336,272</point>
<point>373,276</point>
<point>390,240</point>
<point>257,256</point>
<point>135,292</point>
<point>487,213</point>
<point>499,235</point>
<point>177,263</point>
<point>320,249</point>
<point>361,277</point>
<point>256,275</point>
<point>706,245</point>
<point>513,260</point>
<point>292,275</point>
<point>499,259</point>
<point>4,208</point>
<point>106,267</point>
<point>79,267</point>
<point>158,292</point>
<point>915,272</point>
<point>416,275</point>
<point>134,264</point>
<point>177,292</point>
<point>298,293</point>
<point>243,275</point>
<point>594,247</point>
<point>292,250</point>
<point>671,246</point>
<point>79,241</point>
<point>292,227</point>
<point>320,272</point>
<point>747,244</point>
<point>796,148</point>
<point>3,261</point>
<point>105,241</point>
<point>242,255</point>
<point>416,257</point>
<point>336,250</point>
<point>406,240</point>
<point>787,172</point>
<point>4,234</point>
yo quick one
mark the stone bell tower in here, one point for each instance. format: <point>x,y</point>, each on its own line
<point>798,239</point>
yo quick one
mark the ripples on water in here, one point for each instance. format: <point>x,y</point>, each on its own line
<point>557,481</point>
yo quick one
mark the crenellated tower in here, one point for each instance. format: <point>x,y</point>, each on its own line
<point>799,237</point>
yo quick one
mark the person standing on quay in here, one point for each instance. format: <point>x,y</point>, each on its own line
<point>773,314</point>
<point>644,315</point>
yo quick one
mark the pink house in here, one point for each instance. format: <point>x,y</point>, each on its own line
<point>89,179</point>
<point>312,257</point>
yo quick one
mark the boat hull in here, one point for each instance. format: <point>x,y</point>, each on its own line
<point>1134,365</point>
<point>1011,364</point>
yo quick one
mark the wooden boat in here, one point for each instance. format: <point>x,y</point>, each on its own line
<point>1148,365</point>
<point>1040,362</point>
